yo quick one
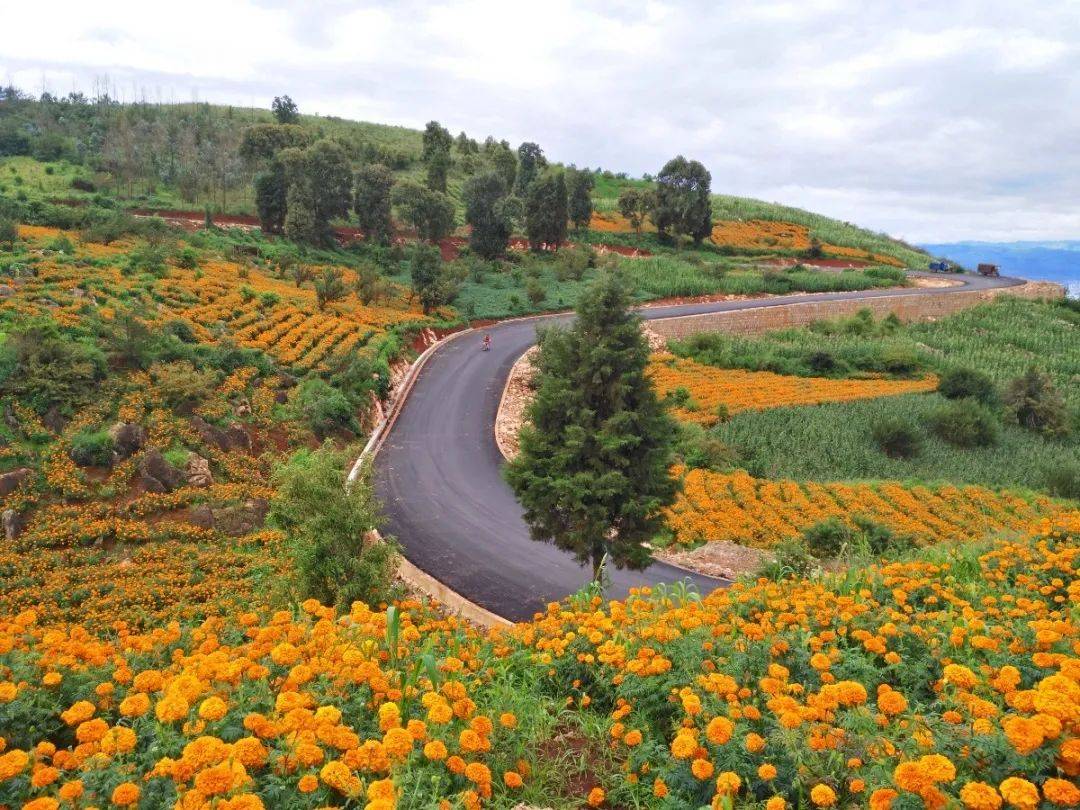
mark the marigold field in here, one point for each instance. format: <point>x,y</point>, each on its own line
<point>710,388</point>
<point>950,679</point>
<point>739,508</point>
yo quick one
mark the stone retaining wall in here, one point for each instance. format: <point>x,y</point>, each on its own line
<point>913,307</point>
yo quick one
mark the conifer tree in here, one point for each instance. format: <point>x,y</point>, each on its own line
<point>593,469</point>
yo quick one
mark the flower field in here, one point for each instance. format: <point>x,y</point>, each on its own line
<point>760,512</point>
<point>217,299</point>
<point>752,236</point>
<point>951,679</point>
<point>737,390</point>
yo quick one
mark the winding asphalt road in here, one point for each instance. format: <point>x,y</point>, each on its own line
<point>438,470</point>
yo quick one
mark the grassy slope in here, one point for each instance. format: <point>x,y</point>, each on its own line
<point>408,142</point>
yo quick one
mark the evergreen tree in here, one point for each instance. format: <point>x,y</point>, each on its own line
<point>487,213</point>
<point>430,212</point>
<point>635,204</point>
<point>546,210</point>
<point>436,155</point>
<point>579,186</point>
<point>270,198</point>
<point>372,202</point>
<point>429,283</point>
<point>502,159</point>
<point>531,162</point>
<point>285,110</point>
<point>593,469</point>
<point>682,202</point>
<point>319,181</point>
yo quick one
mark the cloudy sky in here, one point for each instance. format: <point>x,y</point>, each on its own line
<point>932,121</point>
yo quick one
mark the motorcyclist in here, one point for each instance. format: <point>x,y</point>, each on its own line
<point>487,342</point>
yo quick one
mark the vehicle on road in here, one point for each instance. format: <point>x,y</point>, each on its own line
<point>989,270</point>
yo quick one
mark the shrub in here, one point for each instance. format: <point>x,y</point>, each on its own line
<point>699,449</point>
<point>1063,480</point>
<point>187,259</point>
<point>179,384</point>
<point>9,232</point>
<point>897,438</point>
<point>827,538</point>
<point>880,539</point>
<point>1036,404</point>
<point>960,383</point>
<point>83,184</point>
<point>821,362</point>
<point>92,448</point>
<point>535,292</point>
<point>791,559</point>
<point>323,407</point>
<point>326,525</point>
<point>965,423</point>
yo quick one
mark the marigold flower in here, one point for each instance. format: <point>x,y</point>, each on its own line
<point>512,779</point>
<point>775,803</point>
<point>596,797</point>
<point>767,771</point>
<point>980,796</point>
<point>719,730</point>
<point>308,783</point>
<point>1020,793</point>
<point>701,769</point>
<point>882,798</point>
<point>1061,792</point>
<point>728,783</point>
<point>822,796</point>
<point>213,709</point>
<point>126,794</point>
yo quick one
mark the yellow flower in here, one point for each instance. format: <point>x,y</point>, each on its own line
<point>823,796</point>
<point>126,794</point>
<point>728,783</point>
<point>213,709</point>
<point>701,768</point>
<point>767,771</point>
<point>596,797</point>
<point>1061,792</point>
<point>719,730</point>
<point>1020,793</point>
<point>980,796</point>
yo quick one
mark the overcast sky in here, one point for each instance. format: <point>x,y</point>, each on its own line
<point>934,121</point>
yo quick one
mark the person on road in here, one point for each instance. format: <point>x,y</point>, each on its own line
<point>487,342</point>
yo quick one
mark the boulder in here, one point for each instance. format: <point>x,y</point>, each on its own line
<point>242,408</point>
<point>237,520</point>
<point>128,438</point>
<point>9,481</point>
<point>202,516</point>
<point>198,471</point>
<point>209,434</point>
<point>54,420</point>
<point>238,436</point>
<point>6,290</point>
<point>158,475</point>
<point>13,524</point>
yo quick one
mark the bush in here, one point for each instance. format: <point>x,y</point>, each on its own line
<point>323,407</point>
<point>179,385</point>
<point>1036,404</point>
<point>878,539</point>
<point>827,538</point>
<point>1063,480</point>
<point>325,525</point>
<point>965,423</point>
<point>699,449</point>
<point>791,559</point>
<point>961,383</point>
<point>92,448</point>
<point>897,438</point>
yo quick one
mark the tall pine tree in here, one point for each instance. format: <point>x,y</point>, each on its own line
<point>593,469</point>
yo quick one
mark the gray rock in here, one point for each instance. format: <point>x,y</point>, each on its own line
<point>158,475</point>
<point>237,520</point>
<point>202,516</point>
<point>54,420</point>
<point>198,471</point>
<point>238,436</point>
<point>10,481</point>
<point>6,290</point>
<point>128,438</point>
<point>13,524</point>
<point>209,434</point>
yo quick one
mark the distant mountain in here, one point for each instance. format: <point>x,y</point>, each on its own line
<point>1049,261</point>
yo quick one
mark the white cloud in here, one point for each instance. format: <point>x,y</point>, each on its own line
<point>932,121</point>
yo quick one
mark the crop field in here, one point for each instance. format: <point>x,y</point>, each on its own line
<point>711,392</point>
<point>738,508</point>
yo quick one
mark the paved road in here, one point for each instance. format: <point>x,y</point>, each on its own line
<point>438,471</point>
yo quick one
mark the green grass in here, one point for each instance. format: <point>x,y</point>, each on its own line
<point>832,442</point>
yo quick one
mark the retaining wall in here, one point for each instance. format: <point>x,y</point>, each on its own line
<point>913,307</point>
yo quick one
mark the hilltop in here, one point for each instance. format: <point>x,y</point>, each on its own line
<point>186,156</point>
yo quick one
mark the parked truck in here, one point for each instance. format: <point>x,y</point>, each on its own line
<point>988,270</point>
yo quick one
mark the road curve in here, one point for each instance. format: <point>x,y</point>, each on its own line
<point>438,470</point>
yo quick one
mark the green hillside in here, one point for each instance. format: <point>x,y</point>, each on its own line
<point>185,156</point>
